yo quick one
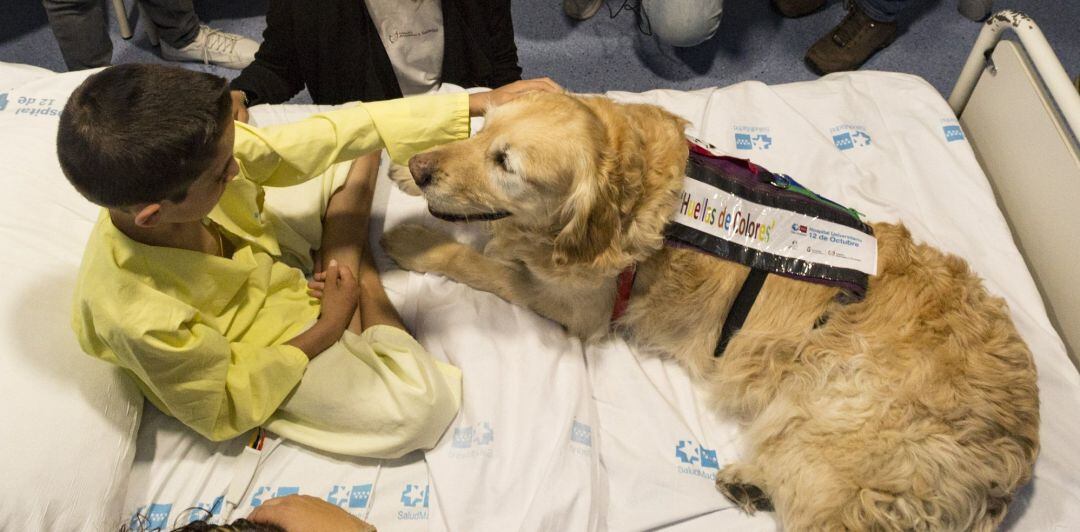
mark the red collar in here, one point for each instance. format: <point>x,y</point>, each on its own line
<point>624,285</point>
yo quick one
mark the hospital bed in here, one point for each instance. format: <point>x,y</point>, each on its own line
<point>553,434</point>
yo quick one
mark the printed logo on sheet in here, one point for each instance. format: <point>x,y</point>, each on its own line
<point>29,106</point>
<point>752,138</point>
<point>950,127</point>
<point>696,460</point>
<point>414,502</point>
<point>154,516</point>
<point>850,137</point>
<point>349,497</point>
<point>473,440</point>
<point>206,511</point>
<point>265,493</point>
<point>581,439</point>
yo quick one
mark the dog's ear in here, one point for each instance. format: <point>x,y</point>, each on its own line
<point>591,216</point>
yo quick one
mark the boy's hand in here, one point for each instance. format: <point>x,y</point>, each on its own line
<point>239,110</point>
<point>337,289</point>
<point>482,101</point>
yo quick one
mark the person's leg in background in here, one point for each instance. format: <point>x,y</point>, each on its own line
<point>81,28</point>
<point>682,22</point>
<point>183,38</point>
<point>869,26</point>
<point>176,22</point>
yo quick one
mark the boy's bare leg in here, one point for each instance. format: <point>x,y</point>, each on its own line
<point>345,239</point>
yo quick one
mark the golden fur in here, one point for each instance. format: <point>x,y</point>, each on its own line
<point>914,409</point>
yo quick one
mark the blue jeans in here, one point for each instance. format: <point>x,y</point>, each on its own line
<point>682,22</point>
<point>883,10</point>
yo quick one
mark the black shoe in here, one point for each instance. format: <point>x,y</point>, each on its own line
<point>798,8</point>
<point>851,43</point>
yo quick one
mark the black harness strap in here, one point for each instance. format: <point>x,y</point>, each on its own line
<point>740,309</point>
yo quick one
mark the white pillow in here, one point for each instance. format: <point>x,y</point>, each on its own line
<point>69,421</point>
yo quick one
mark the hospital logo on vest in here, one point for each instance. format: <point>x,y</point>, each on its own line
<point>473,440</point>
<point>752,138</point>
<point>265,493</point>
<point>847,137</point>
<point>414,498</point>
<point>953,133</point>
<point>696,460</point>
<point>350,497</point>
<point>154,516</point>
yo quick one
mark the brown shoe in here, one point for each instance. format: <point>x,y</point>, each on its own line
<point>851,43</point>
<point>798,8</point>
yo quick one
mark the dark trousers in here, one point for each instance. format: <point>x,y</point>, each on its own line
<point>81,28</point>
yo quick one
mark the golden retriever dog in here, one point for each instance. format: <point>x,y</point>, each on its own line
<point>915,408</point>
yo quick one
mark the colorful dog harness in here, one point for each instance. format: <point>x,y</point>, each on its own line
<point>738,211</point>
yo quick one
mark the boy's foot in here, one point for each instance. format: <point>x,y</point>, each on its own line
<point>581,9</point>
<point>798,8</point>
<point>851,43</point>
<point>217,47</point>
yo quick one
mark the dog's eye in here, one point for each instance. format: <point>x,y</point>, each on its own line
<point>500,159</point>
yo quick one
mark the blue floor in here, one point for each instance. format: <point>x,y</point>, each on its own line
<point>753,43</point>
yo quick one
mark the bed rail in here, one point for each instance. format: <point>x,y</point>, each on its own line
<point>1016,105</point>
<point>1040,53</point>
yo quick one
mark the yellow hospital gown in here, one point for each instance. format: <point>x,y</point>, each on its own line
<point>204,336</point>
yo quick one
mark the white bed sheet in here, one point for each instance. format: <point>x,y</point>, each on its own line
<point>554,435</point>
<point>68,422</point>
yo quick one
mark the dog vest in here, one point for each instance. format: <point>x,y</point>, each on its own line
<point>738,211</point>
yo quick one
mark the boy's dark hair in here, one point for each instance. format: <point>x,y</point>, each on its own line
<point>137,133</point>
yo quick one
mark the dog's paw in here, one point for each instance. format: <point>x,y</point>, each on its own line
<point>402,177</point>
<point>418,248</point>
<point>748,497</point>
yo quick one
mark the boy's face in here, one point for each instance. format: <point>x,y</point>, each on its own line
<point>206,190</point>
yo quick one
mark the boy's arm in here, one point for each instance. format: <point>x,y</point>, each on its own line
<point>220,389</point>
<point>289,154</point>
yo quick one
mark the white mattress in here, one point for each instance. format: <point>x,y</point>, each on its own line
<point>554,435</point>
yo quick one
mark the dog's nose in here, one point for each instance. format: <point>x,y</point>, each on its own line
<point>422,167</point>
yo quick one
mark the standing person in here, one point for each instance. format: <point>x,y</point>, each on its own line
<point>81,28</point>
<point>869,26</point>
<point>371,50</point>
<point>681,23</point>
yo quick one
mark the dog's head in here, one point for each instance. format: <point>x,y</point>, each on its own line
<point>581,170</point>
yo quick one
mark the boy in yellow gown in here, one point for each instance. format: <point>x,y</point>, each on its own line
<point>198,291</point>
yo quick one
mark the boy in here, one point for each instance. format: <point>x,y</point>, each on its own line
<point>194,289</point>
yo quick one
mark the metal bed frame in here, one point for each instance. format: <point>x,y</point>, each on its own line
<point>1017,106</point>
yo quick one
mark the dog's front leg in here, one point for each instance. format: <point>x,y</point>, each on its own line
<point>418,248</point>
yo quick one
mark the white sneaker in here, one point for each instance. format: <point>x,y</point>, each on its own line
<point>213,46</point>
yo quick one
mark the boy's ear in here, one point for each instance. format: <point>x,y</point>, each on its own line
<point>148,215</point>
